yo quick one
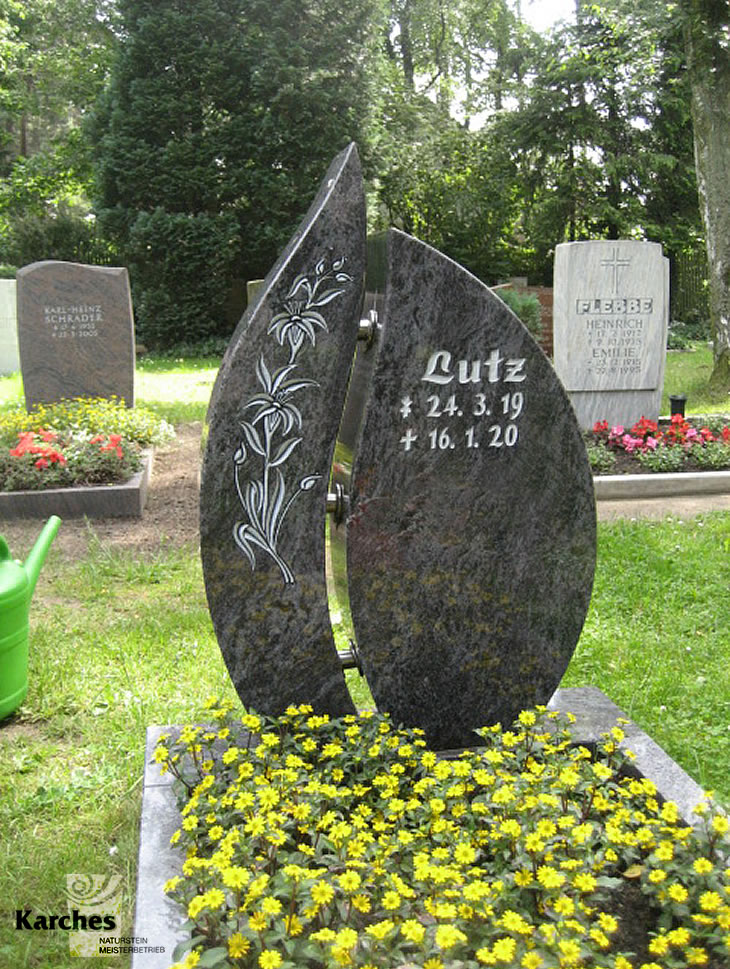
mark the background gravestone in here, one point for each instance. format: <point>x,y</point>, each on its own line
<point>471,537</point>
<point>273,421</point>
<point>9,358</point>
<point>75,332</point>
<point>610,318</point>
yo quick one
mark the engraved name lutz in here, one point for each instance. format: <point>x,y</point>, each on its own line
<point>73,319</point>
<point>467,417</point>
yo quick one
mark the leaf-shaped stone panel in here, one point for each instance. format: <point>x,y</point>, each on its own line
<point>471,538</point>
<point>273,421</point>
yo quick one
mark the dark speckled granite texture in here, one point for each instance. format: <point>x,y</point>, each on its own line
<point>273,422</point>
<point>471,540</point>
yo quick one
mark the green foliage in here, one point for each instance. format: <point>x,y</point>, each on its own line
<point>55,55</point>
<point>526,306</point>
<point>601,459</point>
<point>220,119</point>
<point>325,843</point>
<point>663,459</point>
<point>714,456</point>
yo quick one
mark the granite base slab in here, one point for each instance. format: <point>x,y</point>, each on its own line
<point>619,487</point>
<point>125,500</point>
<point>158,920</point>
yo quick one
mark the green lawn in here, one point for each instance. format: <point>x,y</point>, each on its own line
<point>123,640</point>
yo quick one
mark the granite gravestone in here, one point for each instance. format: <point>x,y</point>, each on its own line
<point>610,318</point>
<point>75,332</point>
<point>471,533</point>
<point>471,538</point>
<point>9,359</point>
<point>273,421</point>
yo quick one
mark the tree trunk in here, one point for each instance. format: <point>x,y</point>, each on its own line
<point>709,63</point>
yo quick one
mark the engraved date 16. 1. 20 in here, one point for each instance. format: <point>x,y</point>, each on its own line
<point>475,418</point>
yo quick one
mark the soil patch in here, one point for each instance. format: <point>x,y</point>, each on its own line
<point>170,517</point>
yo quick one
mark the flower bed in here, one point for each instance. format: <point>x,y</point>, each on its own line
<point>647,448</point>
<point>323,843</point>
<point>83,456</point>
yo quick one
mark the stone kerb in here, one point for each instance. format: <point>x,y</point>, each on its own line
<point>610,318</point>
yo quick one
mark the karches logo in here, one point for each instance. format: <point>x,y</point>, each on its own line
<point>94,905</point>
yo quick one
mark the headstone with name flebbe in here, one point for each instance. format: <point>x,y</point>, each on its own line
<point>9,358</point>
<point>471,536</point>
<point>75,332</point>
<point>610,318</point>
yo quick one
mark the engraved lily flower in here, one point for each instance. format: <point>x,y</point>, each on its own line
<point>300,318</point>
<point>273,404</point>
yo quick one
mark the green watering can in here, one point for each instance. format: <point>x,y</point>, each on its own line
<point>17,583</point>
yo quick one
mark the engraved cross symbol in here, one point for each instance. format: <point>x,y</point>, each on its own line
<point>408,438</point>
<point>614,264</point>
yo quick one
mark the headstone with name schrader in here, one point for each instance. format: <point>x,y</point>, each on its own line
<point>610,318</point>
<point>75,332</point>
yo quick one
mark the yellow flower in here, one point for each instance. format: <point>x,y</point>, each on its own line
<point>679,937</point>
<point>391,900</point>
<point>523,877</point>
<point>569,952</point>
<point>412,930</point>
<point>659,946</point>
<point>607,922</point>
<point>346,938</point>
<point>381,929</point>
<point>677,892</point>
<point>531,960</point>
<point>349,881</point>
<point>238,945</point>
<point>549,877</point>
<point>448,936</point>
<point>720,824</point>
<point>585,882</point>
<point>696,956</point>
<point>258,921</point>
<point>322,892</point>
<point>270,959</point>
<point>710,901</point>
<point>702,866</point>
<point>503,950</point>
<point>564,905</point>
<point>271,906</point>
<point>171,884</point>
<point>361,903</point>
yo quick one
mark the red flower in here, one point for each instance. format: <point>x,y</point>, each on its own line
<point>41,463</point>
<point>114,444</point>
<point>26,440</point>
<point>47,436</point>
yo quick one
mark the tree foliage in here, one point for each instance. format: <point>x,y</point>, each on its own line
<point>215,131</point>
<point>479,136</point>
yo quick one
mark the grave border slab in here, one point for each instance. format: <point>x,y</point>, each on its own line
<point>615,487</point>
<point>159,920</point>
<point>125,500</point>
